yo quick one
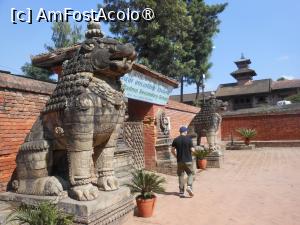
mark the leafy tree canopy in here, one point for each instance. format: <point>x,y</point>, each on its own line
<point>281,78</point>
<point>36,73</point>
<point>178,42</point>
<point>205,26</point>
<point>294,98</point>
<point>163,43</point>
<point>63,35</point>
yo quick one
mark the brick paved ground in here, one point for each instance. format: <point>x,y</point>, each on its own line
<point>258,187</point>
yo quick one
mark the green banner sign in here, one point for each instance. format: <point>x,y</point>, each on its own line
<point>144,88</point>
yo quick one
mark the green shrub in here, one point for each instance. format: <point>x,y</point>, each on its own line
<point>247,132</point>
<point>45,213</point>
<point>201,154</point>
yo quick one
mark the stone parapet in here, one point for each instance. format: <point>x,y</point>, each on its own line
<point>110,208</point>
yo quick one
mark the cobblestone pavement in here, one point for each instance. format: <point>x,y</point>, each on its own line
<point>253,187</point>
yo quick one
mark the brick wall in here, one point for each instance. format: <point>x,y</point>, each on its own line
<point>21,100</point>
<point>180,115</point>
<point>269,126</point>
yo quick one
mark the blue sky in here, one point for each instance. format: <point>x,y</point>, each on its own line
<point>266,31</point>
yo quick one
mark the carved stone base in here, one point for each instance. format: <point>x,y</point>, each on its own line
<point>165,162</point>
<point>110,208</point>
<point>166,167</point>
<point>214,160</point>
<point>170,166</point>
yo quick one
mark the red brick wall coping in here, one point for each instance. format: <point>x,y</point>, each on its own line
<point>16,82</point>
<point>271,110</point>
<point>182,107</point>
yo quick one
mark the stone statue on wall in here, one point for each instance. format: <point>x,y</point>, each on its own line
<point>71,145</point>
<point>162,123</point>
<point>206,123</point>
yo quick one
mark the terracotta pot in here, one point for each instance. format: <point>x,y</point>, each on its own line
<point>202,163</point>
<point>247,141</point>
<point>145,206</point>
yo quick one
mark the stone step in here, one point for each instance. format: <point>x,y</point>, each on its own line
<point>274,143</point>
<point>5,210</point>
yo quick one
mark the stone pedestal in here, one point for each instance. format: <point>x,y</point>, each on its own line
<point>110,208</point>
<point>165,162</point>
<point>214,159</point>
<point>167,167</point>
<point>213,162</point>
<point>123,162</point>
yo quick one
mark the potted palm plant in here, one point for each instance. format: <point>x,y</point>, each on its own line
<point>201,158</point>
<point>146,184</point>
<point>247,134</point>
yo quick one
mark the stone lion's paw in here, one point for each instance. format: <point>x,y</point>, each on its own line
<point>86,192</point>
<point>108,183</point>
<point>52,186</point>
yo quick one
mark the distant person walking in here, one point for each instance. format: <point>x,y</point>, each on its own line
<point>182,148</point>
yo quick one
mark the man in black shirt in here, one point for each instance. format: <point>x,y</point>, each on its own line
<point>182,148</point>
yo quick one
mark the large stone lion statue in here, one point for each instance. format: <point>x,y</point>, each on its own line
<point>71,145</point>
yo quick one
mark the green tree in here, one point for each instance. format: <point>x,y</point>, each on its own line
<point>163,43</point>
<point>196,76</point>
<point>36,73</point>
<point>205,23</point>
<point>281,79</point>
<point>177,42</point>
<point>63,35</point>
<point>294,98</point>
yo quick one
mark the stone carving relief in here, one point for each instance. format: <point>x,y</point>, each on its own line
<point>162,123</point>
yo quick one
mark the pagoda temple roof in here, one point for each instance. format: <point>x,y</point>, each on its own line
<point>243,60</point>
<point>254,87</point>
<point>244,71</point>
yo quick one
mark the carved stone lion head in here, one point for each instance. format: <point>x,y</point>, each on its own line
<point>101,56</point>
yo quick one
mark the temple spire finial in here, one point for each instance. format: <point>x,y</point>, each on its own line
<point>93,30</point>
<point>242,56</point>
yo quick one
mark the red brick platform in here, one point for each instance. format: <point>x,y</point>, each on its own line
<point>255,187</point>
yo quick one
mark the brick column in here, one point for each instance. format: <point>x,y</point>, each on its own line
<point>145,112</point>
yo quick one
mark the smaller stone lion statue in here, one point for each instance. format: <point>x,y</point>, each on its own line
<point>206,123</point>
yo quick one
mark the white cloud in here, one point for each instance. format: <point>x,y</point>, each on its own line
<point>283,58</point>
<point>288,77</point>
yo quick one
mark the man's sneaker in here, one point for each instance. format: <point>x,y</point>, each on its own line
<point>190,191</point>
<point>181,194</point>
